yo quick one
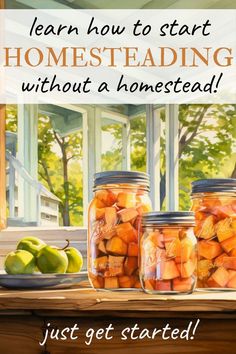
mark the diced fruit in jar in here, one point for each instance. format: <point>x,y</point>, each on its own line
<point>229,244</point>
<point>128,214</point>
<point>127,232</point>
<point>117,246</point>
<point>229,263</point>
<point>220,277</point>
<point>106,196</point>
<point>115,265</point>
<point>206,230</point>
<point>209,249</point>
<point>170,270</point>
<point>100,263</point>
<point>183,285</point>
<point>111,283</point>
<point>204,267</point>
<point>110,216</point>
<point>187,269</point>
<point>133,249</point>
<point>130,265</point>
<point>126,200</point>
<point>163,285</point>
<point>126,282</point>
<point>224,229</point>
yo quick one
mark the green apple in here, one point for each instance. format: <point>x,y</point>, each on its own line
<point>52,260</point>
<point>31,244</point>
<point>75,260</point>
<point>20,262</point>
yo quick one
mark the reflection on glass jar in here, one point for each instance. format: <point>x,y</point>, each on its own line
<point>214,204</point>
<point>168,255</point>
<point>120,199</point>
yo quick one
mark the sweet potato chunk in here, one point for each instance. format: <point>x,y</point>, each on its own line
<point>115,265</point>
<point>163,285</point>
<point>126,282</point>
<point>127,232</point>
<point>219,261</point>
<point>116,246</point>
<point>209,249</point>
<point>232,282</point>
<point>130,265</point>
<point>149,284</point>
<point>106,196</point>
<point>229,263</point>
<point>206,230</point>
<point>133,249</point>
<point>97,281</point>
<point>110,216</point>
<point>233,252</point>
<point>186,269</point>
<point>102,247</point>
<point>182,285</point>
<point>170,270</point>
<point>111,283</point>
<point>220,276</point>
<point>100,263</point>
<point>224,230</point>
<point>229,244</point>
<point>157,238</point>
<point>203,268</point>
<point>173,248</point>
<point>126,200</point>
<point>128,214</point>
<point>100,213</point>
<point>170,234</point>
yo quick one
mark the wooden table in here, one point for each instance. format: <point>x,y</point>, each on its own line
<point>26,314</point>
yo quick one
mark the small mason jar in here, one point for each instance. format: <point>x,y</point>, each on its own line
<point>168,255</point>
<point>214,205</point>
<point>120,199</point>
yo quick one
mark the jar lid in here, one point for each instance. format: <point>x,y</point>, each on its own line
<point>117,177</point>
<point>214,185</point>
<point>168,217</point>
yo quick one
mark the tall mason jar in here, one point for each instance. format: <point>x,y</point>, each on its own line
<point>168,253</point>
<point>214,204</point>
<point>120,199</point>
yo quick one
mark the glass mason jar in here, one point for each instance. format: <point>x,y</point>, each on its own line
<point>120,199</point>
<point>214,204</point>
<point>168,255</point>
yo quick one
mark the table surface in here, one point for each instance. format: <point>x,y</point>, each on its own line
<point>86,299</point>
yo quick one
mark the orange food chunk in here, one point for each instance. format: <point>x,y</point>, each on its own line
<point>128,214</point>
<point>137,285</point>
<point>100,213</point>
<point>187,269</point>
<point>169,234</point>
<point>130,265</point>
<point>102,247</point>
<point>173,248</point>
<point>156,238</point>
<point>170,270</point>
<point>111,283</point>
<point>163,285</point>
<point>229,244</point>
<point>143,208</point>
<point>100,263</point>
<point>149,284</point>
<point>107,232</point>
<point>209,249</point>
<point>187,250</point>
<point>133,249</point>
<point>116,265</point>
<point>106,196</point>
<point>182,285</point>
<point>224,230</point>
<point>220,276</point>
<point>232,282</point>
<point>116,246</point>
<point>96,281</point>
<point>233,252</point>
<point>206,229</point>
<point>218,262</point>
<point>96,203</point>
<point>126,282</point>
<point>127,232</point>
<point>229,263</point>
<point>203,268</point>
<point>126,200</point>
<point>110,216</point>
